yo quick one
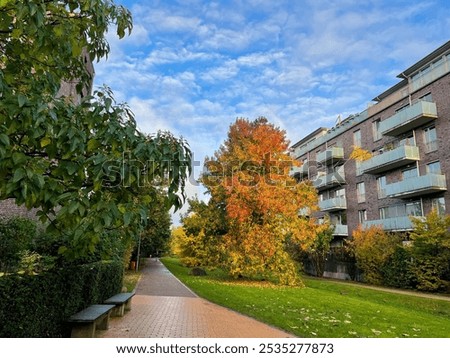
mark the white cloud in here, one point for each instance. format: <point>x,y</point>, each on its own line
<point>192,66</point>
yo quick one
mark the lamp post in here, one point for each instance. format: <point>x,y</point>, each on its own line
<point>139,249</point>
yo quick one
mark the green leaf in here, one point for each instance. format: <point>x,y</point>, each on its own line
<point>18,158</point>
<point>4,139</point>
<point>45,142</point>
<point>21,100</point>
<point>18,175</point>
<point>92,145</point>
<point>127,218</point>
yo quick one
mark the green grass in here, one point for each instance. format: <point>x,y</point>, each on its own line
<point>130,279</point>
<point>324,308</point>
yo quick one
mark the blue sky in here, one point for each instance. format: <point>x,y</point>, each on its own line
<point>192,67</point>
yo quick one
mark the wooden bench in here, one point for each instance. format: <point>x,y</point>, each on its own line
<point>122,303</point>
<point>85,322</point>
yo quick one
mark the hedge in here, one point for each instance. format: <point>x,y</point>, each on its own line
<point>38,305</point>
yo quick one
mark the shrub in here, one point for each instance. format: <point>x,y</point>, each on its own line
<point>430,250</point>
<point>373,247</point>
<point>16,235</point>
<point>397,271</point>
<point>38,305</point>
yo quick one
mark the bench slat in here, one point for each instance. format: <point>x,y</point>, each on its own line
<point>120,298</point>
<point>90,313</point>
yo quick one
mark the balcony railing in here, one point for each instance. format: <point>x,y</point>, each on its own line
<point>391,159</point>
<point>301,170</point>
<point>409,118</point>
<point>331,180</point>
<point>333,204</point>
<point>333,154</point>
<point>418,186</point>
<point>340,230</point>
<point>402,223</point>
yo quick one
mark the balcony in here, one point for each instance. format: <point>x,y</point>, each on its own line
<point>391,159</point>
<point>411,187</point>
<point>331,155</point>
<point>333,204</point>
<point>299,171</point>
<point>402,223</point>
<point>411,117</point>
<point>340,230</point>
<point>329,181</point>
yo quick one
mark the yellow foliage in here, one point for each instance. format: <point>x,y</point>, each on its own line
<point>360,154</point>
<point>372,247</point>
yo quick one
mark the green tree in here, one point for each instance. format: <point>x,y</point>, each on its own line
<point>319,249</point>
<point>156,234</point>
<point>206,223</point>
<point>430,251</point>
<point>83,162</point>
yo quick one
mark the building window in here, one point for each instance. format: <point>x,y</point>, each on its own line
<point>410,173</point>
<point>376,129</point>
<point>361,192</point>
<point>434,168</point>
<point>384,214</point>
<point>362,215</point>
<point>339,193</point>
<point>381,186</point>
<point>414,208</point>
<point>408,139</point>
<point>357,138</point>
<point>438,204</point>
<point>402,108</point>
<point>430,139</point>
<point>428,98</point>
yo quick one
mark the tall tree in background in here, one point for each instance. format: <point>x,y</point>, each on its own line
<point>156,233</point>
<point>83,162</point>
<point>249,176</point>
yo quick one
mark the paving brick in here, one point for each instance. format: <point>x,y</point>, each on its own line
<point>164,308</point>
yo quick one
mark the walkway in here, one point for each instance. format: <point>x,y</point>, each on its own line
<point>164,307</point>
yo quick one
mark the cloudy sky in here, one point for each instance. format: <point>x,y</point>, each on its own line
<point>192,67</point>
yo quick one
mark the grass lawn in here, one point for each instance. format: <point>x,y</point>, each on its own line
<point>324,308</point>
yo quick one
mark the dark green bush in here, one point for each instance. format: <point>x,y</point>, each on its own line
<point>16,235</point>
<point>38,305</point>
<point>397,271</point>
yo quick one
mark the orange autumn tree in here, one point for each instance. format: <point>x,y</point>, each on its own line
<point>249,174</point>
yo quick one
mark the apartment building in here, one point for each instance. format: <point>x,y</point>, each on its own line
<point>407,132</point>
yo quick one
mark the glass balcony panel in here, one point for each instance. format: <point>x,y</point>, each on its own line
<point>409,118</point>
<point>391,159</point>
<point>425,184</point>
<point>331,180</point>
<point>401,223</point>
<point>340,230</point>
<point>333,204</point>
<point>300,170</point>
<point>333,154</point>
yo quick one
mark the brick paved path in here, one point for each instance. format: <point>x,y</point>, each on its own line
<point>164,307</point>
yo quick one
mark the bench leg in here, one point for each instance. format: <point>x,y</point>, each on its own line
<point>104,323</point>
<point>118,311</point>
<point>128,305</point>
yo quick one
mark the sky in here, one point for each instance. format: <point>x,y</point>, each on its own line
<point>192,67</point>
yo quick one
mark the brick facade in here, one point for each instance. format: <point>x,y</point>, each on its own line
<point>426,81</point>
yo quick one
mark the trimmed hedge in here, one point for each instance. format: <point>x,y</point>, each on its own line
<point>37,306</point>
